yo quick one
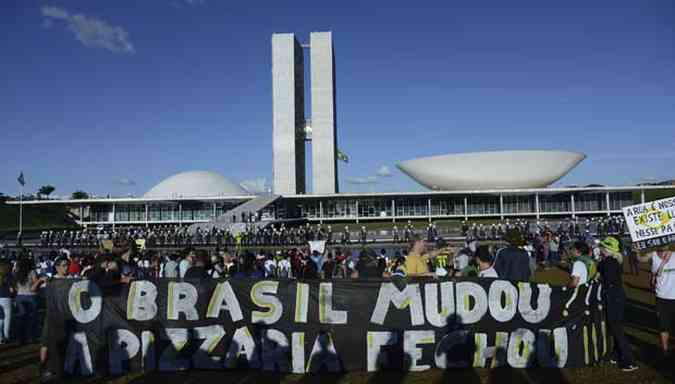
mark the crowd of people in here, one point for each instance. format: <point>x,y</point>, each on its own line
<point>24,276</point>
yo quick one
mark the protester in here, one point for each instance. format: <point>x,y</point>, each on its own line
<point>27,287</point>
<point>6,293</point>
<point>416,263</point>
<point>615,299</point>
<point>185,264</point>
<point>170,269</point>
<point>584,267</point>
<point>512,262</point>
<point>663,274</point>
<point>199,267</point>
<point>484,258</point>
<point>48,373</point>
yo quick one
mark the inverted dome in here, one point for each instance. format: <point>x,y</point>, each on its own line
<point>195,184</point>
<point>491,170</point>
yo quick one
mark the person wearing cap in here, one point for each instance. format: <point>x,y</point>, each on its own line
<point>611,270</point>
<point>513,262</point>
<point>663,272</point>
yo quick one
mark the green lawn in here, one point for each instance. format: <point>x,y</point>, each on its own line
<point>34,217</point>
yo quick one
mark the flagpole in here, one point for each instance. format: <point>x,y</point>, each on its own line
<point>21,210</point>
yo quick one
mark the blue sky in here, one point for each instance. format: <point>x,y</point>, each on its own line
<point>113,96</point>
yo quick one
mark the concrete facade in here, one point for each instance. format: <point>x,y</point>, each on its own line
<point>288,111</point>
<point>324,135</point>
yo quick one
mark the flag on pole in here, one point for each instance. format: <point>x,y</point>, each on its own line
<point>342,157</point>
<point>21,180</point>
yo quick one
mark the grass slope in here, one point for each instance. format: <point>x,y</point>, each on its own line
<point>34,217</point>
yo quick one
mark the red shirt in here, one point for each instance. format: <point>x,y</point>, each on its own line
<point>74,268</point>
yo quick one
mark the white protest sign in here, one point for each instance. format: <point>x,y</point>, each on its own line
<point>651,224</point>
<point>317,245</point>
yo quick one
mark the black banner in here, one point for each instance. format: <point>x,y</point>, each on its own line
<point>321,326</point>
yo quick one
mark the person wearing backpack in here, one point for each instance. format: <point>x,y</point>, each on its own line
<point>584,268</point>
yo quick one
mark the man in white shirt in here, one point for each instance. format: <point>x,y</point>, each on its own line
<point>663,271</point>
<point>485,262</point>
<point>579,274</point>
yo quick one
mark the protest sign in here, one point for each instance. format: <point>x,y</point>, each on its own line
<point>651,224</point>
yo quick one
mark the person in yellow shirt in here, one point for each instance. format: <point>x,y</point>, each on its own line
<point>416,263</point>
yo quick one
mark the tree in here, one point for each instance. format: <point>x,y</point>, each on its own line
<point>45,190</point>
<point>79,195</point>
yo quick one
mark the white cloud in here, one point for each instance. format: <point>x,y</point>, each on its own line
<point>90,31</point>
<point>384,171</point>
<point>126,181</point>
<point>255,186</point>
<point>361,180</point>
<point>187,3</point>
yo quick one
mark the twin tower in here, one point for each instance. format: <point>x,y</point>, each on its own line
<point>290,128</point>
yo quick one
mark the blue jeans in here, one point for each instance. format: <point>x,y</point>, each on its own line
<point>5,317</point>
<point>27,306</point>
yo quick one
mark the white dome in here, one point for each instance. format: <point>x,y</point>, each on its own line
<point>195,184</point>
<point>491,170</point>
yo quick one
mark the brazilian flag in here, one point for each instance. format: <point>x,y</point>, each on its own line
<point>342,157</point>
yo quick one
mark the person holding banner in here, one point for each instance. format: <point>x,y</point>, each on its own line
<point>663,273</point>
<point>611,270</point>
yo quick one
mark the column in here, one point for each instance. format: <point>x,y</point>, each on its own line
<point>609,213</point>
<point>393,211</point>
<point>536,204</point>
<point>320,212</point>
<point>146,214</point>
<point>214,210</point>
<point>180,213</point>
<point>357,211</point>
<point>642,196</point>
<point>572,206</point>
<point>466,208</point>
<point>501,206</point>
<point>81,213</point>
<point>113,215</point>
<point>429,209</point>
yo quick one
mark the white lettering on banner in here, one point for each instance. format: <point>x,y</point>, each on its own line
<point>77,353</point>
<point>141,301</point>
<point>534,316</point>
<point>552,352</point>
<point>411,339</point>
<point>182,298</point>
<point>410,298</point>
<point>298,352</point>
<point>375,341</point>
<point>521,346</point>
<point>276,351</point>
<point>212,335</point>
<point>434,317</point>
<point>261,295</point>
<point>123,346</point>
<point>467,314</point>
<point>497,352</point>
<point>301,302</point>
<point>242,344</point>
<point>502,289</point>
<point>224,299</point>
<point>324,355</point>
<point>75,292</point>
<point>328,315</point>
<point>148,351</point>
<point>168,361</point>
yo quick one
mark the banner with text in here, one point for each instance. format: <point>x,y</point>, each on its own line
<point>321,326</point>
<point>651,224</point>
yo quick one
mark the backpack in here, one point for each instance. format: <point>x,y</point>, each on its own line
<point>591,266</point>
